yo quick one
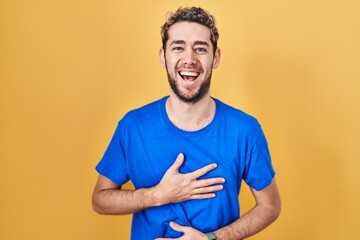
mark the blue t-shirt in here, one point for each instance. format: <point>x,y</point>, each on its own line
<point>146,143</point>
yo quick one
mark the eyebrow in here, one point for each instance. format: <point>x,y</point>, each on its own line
<point>177,42</point>
<point>201,43</point>
<point>183,42</point>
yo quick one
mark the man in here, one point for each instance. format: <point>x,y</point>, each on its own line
<point>187,153</point>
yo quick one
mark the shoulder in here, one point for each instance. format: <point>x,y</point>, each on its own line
<point>145,110</point>
<point>147,113</point>
<point>238,122</point>
<point>233,115</point>
<point>239,125</point>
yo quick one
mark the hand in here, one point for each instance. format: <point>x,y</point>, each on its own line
<point>177,187</point>
<point>189,233</point>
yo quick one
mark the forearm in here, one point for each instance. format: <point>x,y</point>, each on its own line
<point>109,198</point>
<point>121,202</point>
<point>250,223</point>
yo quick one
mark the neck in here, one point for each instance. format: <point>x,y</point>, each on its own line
<point>190,116</point>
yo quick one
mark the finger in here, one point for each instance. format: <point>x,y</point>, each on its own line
<point>178,162</point>
<point>202,196</point>
<point>209,182</point>
<point>177,227</point>
<point>202,171</point>
<point>210,189</point>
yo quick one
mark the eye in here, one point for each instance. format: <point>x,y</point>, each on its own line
<point>177,49</point>
<point>201,50</point>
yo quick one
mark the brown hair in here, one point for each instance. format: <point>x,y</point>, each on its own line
<point>193,14</point>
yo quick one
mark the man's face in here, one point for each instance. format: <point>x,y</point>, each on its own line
<point>189,60</point>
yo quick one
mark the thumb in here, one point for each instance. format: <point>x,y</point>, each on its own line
<point>178,162</point>
<point>177,227</point>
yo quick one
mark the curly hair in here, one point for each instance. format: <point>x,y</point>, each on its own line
<point>190,14</point>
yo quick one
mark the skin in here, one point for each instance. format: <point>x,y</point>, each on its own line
<point>188,49</point>
<point>266,210</point>
<point>109,198</point>
<point>191,55</point>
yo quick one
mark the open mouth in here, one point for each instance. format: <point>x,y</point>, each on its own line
<point>189,75</point>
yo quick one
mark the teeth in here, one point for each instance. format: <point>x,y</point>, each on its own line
<point>190,74</point>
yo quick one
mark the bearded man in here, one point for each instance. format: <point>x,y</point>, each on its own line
<point>187,153</point>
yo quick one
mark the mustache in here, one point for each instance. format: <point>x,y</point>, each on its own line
<point>197,68</point>
<point>179,67</point>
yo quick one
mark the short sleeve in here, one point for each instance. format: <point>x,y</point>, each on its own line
<point>259,171</point>
<point>113,163</point>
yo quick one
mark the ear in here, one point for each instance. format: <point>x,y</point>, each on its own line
<point>162,57</point>
<point>216,61</point>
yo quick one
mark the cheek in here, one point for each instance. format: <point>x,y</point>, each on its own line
<point>170,62</point>
<point>207,61</point>
<point>208,66</point>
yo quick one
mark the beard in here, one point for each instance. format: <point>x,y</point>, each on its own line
<point>187,98</point>
<point>193,98</point>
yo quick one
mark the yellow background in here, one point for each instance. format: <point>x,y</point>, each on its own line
<point>69,70</point>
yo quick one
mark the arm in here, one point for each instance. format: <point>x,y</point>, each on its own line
<point>109,198</point>
<point>266,211</point>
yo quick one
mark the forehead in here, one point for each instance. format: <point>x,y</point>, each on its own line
<point>189,32</point>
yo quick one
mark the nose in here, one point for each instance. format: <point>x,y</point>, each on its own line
<point>189,58</point>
